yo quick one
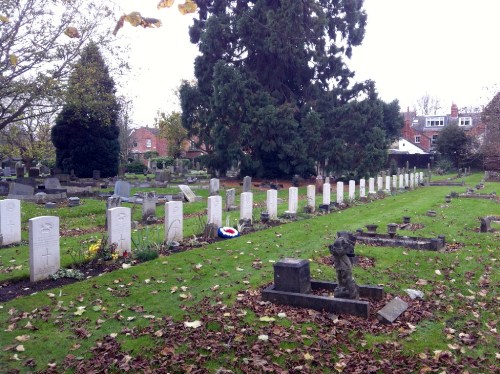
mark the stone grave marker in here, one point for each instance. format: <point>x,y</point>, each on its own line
<point>412,181</point>
<point>113,202</point>
<point>10,221</point>
<point>421,177</point>
<point>380,183</point>
<point>327,180</point>
<point>96,174</point>
<point>44,250</point>
<point>272,203</point>
<point>246,206</point>
<point>362,188</point>
<point>73,201</point>
<point>174,221</point>
<point>326,194</point>
<point>352,190</point>
<point>371,186</point>
<point>231,199</point>
<point>33,172</point>
<point>20,172</point>
<point>340,193</point>
<point>119,228</point>
<point>391,311</point>
<point>319,183</point>
<point>215,211</point>
<point>401,182</point>
<point>214,186</point>
<point>293,200</point>
<point>188,193</point>
<point>122,189</point>
<point>52,184</point>
<point>388,183</point>
<point>407,182</point>
<point>7,172</point>
<point>311,198</point>
<point>247,184</point>
<point>19,189</point>
<point>149,206</point>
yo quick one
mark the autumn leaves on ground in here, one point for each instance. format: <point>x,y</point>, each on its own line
<point>201,311</point>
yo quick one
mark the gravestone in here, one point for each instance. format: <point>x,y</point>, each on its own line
<point>73,201</point>
<point>371,186</point>
<point>407,180</point>
<point>387,183</point>
<point>326,194</point>
<point>421,178</point>
<point>292,275</point>
<point>293,200</point>
<point>188,193</point>
<point>148,206</point>
<point>362,188</point>
<point>52,184</point>
<point>50,205</point>
<point>7,172</point>
<point>394,182</point>
<point>311,198</point>
<point>162,175</point>
<point>96,174</point>
<point>18,189</point>
<point>247,184</point>
<point>272,204</point>
<point>113,202</point>
<point>33,172</point>
<point>319,184</point>
<point>44,170</point>
<point>44,250</point>
<point>246,206</point>
<point>215,211</point>
<point>119,228</point>
<point>231,199</point>
<point>390,312</point>
<point>327,180</point>
<point>173,221</point>
<point>412,181</point>
<point>347,288</point>
<point>20,172</point>
<point>401,182</point>
<point>352,190</point>
<point>380,183</point>
<point>340,193</point>
<point>122,189</point>
<point>214,187</point>
<point>10,221</point>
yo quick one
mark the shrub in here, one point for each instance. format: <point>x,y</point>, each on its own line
<point>146,254</point>
<point>135,167</point>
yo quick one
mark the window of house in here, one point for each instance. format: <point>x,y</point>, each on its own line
<point>434,139</point>
<point>417,139</point>
<point>464,121</point>
<point>192,145</point>
<point>148,143</point>
<point>434,121</point>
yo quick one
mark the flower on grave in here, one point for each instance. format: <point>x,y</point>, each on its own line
<point>227,232</point>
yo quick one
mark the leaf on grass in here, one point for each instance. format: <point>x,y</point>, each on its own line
<point>263,337</point>
<point>96,308</point>
<point>4,19</point>
<point>20,348</point>
<point>239,269</point>
<point>438,272</point>
<point>22,338</point>
<point>193,325</point>
<point>266,319</point>
<point>79,311</point>
<point>130,318</point>
<point>174,289</point>
<point>51,295</point>
<point>113,334</point>
<point>126,266</point>
<point>340,366</point>
<point>158,333</point>
<point>308,356</point>
<point>15,357</point>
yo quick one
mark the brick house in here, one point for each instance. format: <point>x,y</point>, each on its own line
<point>423,131</point>
<point>144,140</point>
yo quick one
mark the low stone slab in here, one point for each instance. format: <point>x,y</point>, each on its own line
<point>429,244</point>
<point>392,310</point>
<point>188,193</point>
<point>366,292</point>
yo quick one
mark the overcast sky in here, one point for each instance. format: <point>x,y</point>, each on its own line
<point>446,48</point>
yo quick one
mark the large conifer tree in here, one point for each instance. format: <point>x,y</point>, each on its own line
<point>86,132</point>
<point>269,74</point>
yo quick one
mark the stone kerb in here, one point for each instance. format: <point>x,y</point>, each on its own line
<point>174,221</point>
<point>120,228</point>
<point>10,221</point>
<point>44,247</point>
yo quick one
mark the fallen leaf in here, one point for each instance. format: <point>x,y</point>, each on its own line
<point>193,325</point>
<point>22,338</point>
<point>266,319</point>
<point>79,311</point>
<point>20,348</point>
<point>263,337</point>
<point>308,356</point>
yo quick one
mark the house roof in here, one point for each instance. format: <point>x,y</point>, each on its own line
<point>418,122</point>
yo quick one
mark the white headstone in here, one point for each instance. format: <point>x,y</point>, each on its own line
<point>149,206</point>
<point>326,194</point>
<point>311,197</point>
<point>119,228</point>
<point>421,179</point>
<point>387,183</point>
<point>416,180</point>
<point>272,203</point>
<point>412,181</point>
<point>407,184</point>
<point>188,193</point>
<point>214,186</point>
<point>380,184</point>
<point>246,205</point>
<point>362,188</point>
<point>215,210</point>
<point>395,182</point>
<point>371,185</point>
<point>293,199</point>
<point>173,221</point>
<point>327,179</point>
<point>340,192</point>
<point>352,190</point>
<point>10,221</point>
<point>401,182</point>
<point>44,247</point>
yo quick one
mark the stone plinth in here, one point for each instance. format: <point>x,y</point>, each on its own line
<point>292,275</point>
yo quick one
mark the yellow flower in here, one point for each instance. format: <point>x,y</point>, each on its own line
<point>114,256</point>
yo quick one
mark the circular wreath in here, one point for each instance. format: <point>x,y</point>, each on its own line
<point>227,232</point>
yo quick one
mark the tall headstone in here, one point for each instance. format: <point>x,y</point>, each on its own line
<point>362,188</point>
<point>387,183</point>
<point>327,180</point>
<point>96,174</point>
<point>293,199</point>
<point>214,186</point>
<point>272,203</point>
<point>416,179</point>
<point>421,179</point>
<point>7,172</point>
<point>20,171</point>
<point>148,206</point>
<point>394,182</point>
<point>326,194</point>
<point>352,190</point>
<point>412,181</point>
<point>173,221</point>
<point>340,192</point>
<point>246,206</point>
<point>230,199</point>
<point>10,221</point>
<point>311,198</point>
<point>215,210</point>
<point>380,183</point>
<point>407,180</point>
<point>247,184</point>
<point>401,182</point>
<point>44,247</point>
<point>371,185</point>
<point>119,228</point>
<point>319,183</point>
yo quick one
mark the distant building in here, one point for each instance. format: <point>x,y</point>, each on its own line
<point>146,141</point>
<point>420,133</point>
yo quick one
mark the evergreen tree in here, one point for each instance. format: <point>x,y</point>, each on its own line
<point>86,132</point>
<point>272,83</point>
<point>454,143</point>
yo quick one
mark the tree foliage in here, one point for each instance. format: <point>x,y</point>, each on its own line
<point>274,93</point>
<point>86,132</point>
<point>39,42</point>
<point>171,129</point>
<point>491,142</point>
<point>427,105</point>
<point>454,143</point>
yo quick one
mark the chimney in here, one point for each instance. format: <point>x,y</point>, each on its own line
<point>454,110</point>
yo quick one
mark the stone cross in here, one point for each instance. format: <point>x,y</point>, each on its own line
<point>346,288</point>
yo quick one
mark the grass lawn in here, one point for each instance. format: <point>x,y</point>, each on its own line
<point>145,317</point>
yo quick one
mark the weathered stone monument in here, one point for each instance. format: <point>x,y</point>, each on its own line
<point>347,288</point>
<point>44,250</point>
<point>247,184</point>
<point>311,199</point>
<point>231,199</point>
<point>214,186</point>
<point>10,221</point>
<point>149,206</point>
<point>122,189</point>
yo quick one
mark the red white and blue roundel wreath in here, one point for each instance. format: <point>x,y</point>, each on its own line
<point>227,232</point>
